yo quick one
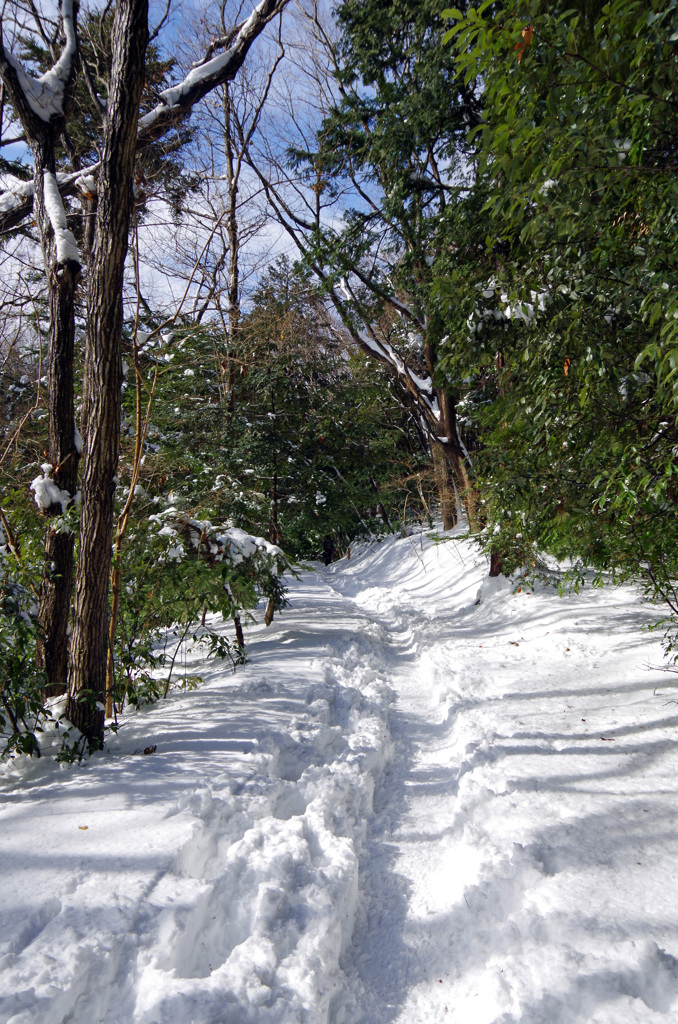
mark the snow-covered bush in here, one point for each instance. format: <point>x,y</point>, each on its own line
<point>22,708</point>
<point>176,569</point>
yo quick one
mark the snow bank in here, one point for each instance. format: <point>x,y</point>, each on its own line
<point>425,798</point>
<point>521,866</point>
<point>217,879</point>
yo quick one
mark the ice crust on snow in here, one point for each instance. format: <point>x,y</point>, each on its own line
<point>426,797</point>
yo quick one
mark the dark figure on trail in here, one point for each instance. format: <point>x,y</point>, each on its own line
<point>328,549</point>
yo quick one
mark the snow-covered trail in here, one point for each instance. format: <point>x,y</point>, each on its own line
<point>521,861</point>
<point>215,880</point>
<point>424,798</point>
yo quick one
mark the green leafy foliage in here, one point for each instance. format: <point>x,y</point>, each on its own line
<point>286,437</point>
<point>23,713</point>
<point>562,317</point>
<point>325,445</point>
<point>289,435</point>
<point>393,148</point>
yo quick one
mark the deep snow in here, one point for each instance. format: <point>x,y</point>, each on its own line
<point>425,798</point>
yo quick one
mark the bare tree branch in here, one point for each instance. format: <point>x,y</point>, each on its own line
<point>176,103</point>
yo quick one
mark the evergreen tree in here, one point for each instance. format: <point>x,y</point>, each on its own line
<point>569,330</point>
<point>317,424</point>
<point>394,140</point>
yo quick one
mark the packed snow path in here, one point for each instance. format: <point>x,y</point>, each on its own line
<point>425,798</point>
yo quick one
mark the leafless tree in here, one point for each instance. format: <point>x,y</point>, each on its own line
<point>229,209</point>
<point>42,105</point>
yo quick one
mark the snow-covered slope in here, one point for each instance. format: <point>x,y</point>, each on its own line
<point>425,798</point>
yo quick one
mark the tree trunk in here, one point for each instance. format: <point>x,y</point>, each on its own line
<point>458,468</point>
<point>89,213</point>
<point>496,563</point>
<point>62,270</point>
<point>274,534</point>
<point>57,576</point>
<point>445,485</point>
<point>380,506</point>
<point>103,368</point>
<point>239,635</point>
<point>458,459</point>
<point>232,232</point>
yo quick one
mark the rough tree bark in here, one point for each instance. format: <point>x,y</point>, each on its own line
<point>103,367</point>
<point>123,131</point>
<point>457,458</point>
<point>57,575</point>
<point>444,485</point>
<point>42,126</point>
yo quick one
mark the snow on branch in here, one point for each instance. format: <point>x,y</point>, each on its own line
<point>45,94</point>
<point>16,203</point>
<point>421,387</point>
<point>384,351</point>
<point>47,492</point>
<point>389,298</point>
<point>86,183</point>
<point>211,73</point>
<point>217,543</point>
<point>17,198</point>
<point>66,246</point>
